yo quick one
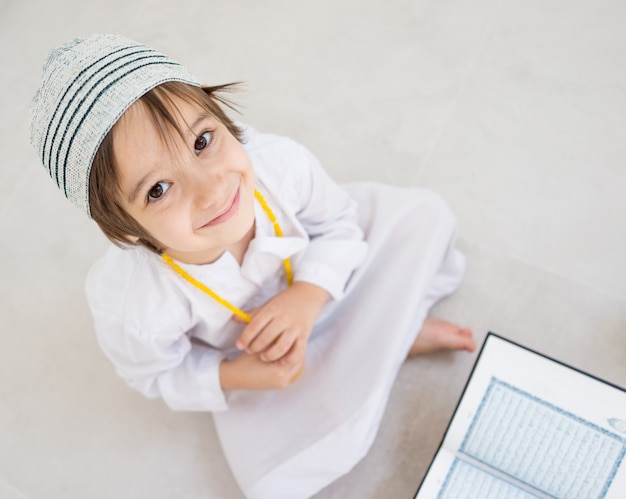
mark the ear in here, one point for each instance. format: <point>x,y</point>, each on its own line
<point>132,239</point>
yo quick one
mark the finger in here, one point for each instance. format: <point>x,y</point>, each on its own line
<point>252,330</point>
<point>280,347</point>
<point>296,354</point>
<point>291,367</point>
<point>239,320</point>
<point>267,337</point>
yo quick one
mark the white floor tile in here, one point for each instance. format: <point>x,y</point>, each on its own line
<point>532,157</point>
<point>6,490</point>
<point>513,111</point>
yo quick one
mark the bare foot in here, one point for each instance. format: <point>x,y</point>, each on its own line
<point>437,334</point>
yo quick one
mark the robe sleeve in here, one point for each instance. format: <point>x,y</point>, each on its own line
<point>145,332</point>
<point>328,214</point>
<point>169,365</point>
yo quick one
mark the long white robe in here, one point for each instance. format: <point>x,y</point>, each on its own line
<point>166,338</point>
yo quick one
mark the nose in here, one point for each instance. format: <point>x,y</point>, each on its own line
<point>205,186</point>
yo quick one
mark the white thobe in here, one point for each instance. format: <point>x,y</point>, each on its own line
<point>385,256</point>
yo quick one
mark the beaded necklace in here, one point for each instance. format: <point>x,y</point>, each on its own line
<point>237,311</point>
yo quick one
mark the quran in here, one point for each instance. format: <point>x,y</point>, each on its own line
<point>530,427</point>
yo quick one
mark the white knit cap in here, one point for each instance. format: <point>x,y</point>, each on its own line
<point>87,84</point>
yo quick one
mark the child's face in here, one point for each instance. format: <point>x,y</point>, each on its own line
<point>196,199</point>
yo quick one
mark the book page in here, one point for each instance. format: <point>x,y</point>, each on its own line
<point>530,427</point>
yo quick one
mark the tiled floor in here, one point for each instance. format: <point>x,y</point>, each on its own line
<point>514,111</point>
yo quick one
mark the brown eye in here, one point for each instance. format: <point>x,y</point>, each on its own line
<point>202,141</point>
<point>158,190</point>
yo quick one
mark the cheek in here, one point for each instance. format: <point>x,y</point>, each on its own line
<point>171,222</point>
<point>160,225</point>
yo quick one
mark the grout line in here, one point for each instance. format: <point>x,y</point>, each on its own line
<point>452,107</point>
<point>9,487</point>
<point>501,254</point>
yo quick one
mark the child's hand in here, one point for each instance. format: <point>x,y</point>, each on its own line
<point>280,329</point>
<point>248,372</point>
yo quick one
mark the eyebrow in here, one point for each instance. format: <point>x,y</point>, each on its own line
<point>200,118</point>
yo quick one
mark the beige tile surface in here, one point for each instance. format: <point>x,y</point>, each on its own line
<point>8,492</point>
<point>514,111</point>
<point>532,158</point>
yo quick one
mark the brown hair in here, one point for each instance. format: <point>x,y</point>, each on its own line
<point>104,187</point>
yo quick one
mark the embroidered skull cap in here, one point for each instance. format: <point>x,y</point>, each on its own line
<point>87,84</point>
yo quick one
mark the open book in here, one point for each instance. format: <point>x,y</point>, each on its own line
<point>530,427</point>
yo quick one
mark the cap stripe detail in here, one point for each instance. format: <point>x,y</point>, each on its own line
<point>69,87</point>
<point>58,144</point>
<point>86,114</point>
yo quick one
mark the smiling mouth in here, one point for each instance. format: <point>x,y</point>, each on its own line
<point>227,214</point>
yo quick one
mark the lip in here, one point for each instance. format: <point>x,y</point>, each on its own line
<point>230,211</point>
